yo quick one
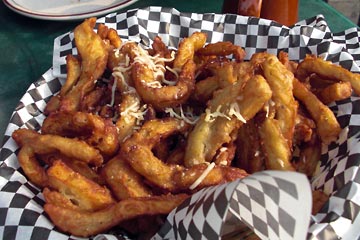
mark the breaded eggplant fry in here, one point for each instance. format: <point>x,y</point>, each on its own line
<point>188,47</point>
<point>164,96</point>
<point>281,83</point>
<point>86,224</point>
<point>335,92</point>
<point>58,199</point>
<point>129,109</point>
<point>235,104</point>
<point>328,70</point>
<point>73,73</point>
<point>32,167</point>
<point>94,55</point>
<point>275,146</point>
<point>223,49</point>
<point>45,144</point>
<point>327,125</point>
<point>86,194</point>
<point>137,150</point>
<point>99,132</point>
<point>123,180</point>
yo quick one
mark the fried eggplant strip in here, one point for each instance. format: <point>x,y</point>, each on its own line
<point>87,194</point>
<point>123,180</point>
<point>223,49</point>
<point>165,96</point>
<point>188,47</point>
<point>137,150</point>
<point>45,144</point>
<point>210,134</point>
<point>95,130</point>
<point>277,151</point>
<point>335,92</point>
<point>327,125</point>
<point>31,166</point>
<point>58,199</point>
<point>85,224</point>
<point>94,55</point>
<point>328,70</point>
<point>281,83</point>
<point>78,166</point>
<point>129,111</point>
<point>224,74</point>
<point>73,67</point>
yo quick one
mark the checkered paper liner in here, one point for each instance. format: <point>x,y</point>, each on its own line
<point>272,204</point>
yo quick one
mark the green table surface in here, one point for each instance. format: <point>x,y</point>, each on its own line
<point>26,44</point>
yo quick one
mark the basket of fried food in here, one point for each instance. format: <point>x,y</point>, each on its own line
<point>133,132</point>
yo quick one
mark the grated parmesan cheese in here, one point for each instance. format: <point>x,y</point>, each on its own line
<point>155,64</point>
<point>134,110</point>
<point>211,116</point>
<point>202,176</point>
<point>153,84</point>
<point>113,89</point>
<point>233,110</point>
<point>223,149</point>
<point>224,162</point>
<point>187,116</point>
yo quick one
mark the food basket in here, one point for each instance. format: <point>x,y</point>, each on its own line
<point>273,204</point>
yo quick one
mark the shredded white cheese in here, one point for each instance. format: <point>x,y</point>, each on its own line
<point>119,70</point>
<point>223,149</point>
<point>134,110</point>
<point>232,110</point>
<point>155,63</point>
<point>113,89</point>
<point>224,162</point>
<point>235,111</point>
<point>202,176</point>
<point>211,116</point>
<point>187,116</point>
<point>153,84</point>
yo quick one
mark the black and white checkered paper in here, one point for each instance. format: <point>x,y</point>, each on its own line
<point>275,205</point>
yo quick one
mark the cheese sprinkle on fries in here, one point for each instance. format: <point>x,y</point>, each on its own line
<point>133,132</point>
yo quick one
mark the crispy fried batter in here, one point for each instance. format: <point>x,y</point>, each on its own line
<point>137,151</point>
<point>281,83</point>
<point>31,166</point>
<point>223,49</point>
<point>99,132</point>
<point>209,135</point>
<point>123,180</point>
<point>73,67</point>
<point>129,108</point>
<point>327,125</point>
<point>58,199</point>
<point>328,70</point>
<point>165,96</point>
<point>94,55</point>
<point>335,92</point>
<point>187,48</point>
<point>275,146</point>
<point>84,193</point>
<point>223,74</point>
<point>85,224</point>
<point>47,143</point>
